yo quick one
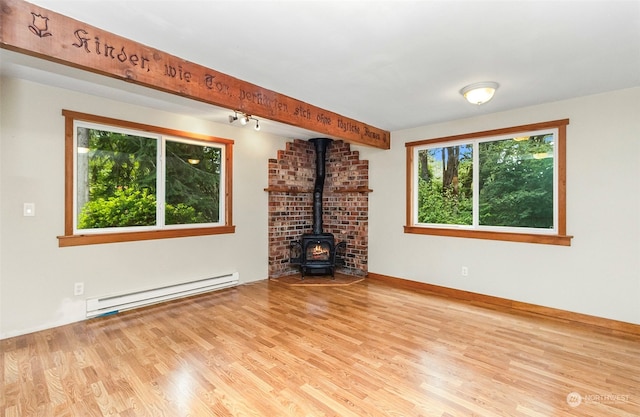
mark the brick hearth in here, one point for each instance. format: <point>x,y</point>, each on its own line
<point>345,203</point>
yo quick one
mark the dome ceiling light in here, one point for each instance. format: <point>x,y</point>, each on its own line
<point>479,93</point>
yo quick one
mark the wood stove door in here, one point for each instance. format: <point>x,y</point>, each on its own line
<point>319,251</point>
<point>318,254</point>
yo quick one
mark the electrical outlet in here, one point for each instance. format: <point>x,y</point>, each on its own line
<point>78,288</point>
<point>465,271</point>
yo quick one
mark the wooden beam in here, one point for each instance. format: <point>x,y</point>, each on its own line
<point>39,32</point>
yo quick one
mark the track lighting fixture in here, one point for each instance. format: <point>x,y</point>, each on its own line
<point>244,119</point>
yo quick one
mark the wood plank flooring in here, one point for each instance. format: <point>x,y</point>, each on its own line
<point>369,349</point>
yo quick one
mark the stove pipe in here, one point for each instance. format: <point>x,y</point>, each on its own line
<point>321,145</point>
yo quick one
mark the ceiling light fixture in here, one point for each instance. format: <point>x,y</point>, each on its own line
<point>479,93</point>
<point>244,119</point>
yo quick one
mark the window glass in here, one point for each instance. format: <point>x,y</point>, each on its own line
<point>444,185</point>
<point>192,183</point>
<point>516,182</point>
<point>116,179</point>
<point>514,185</point>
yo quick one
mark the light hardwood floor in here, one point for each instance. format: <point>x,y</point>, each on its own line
<point>370,349</point>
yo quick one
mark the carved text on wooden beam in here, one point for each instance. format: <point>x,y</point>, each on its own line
<point>39,32</point>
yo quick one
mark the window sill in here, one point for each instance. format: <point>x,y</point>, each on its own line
<point>80,240</point>
<point>561,240</point>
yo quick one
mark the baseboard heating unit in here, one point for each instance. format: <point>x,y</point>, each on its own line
<point>114,303</point>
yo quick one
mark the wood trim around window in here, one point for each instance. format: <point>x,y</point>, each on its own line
<point>69,239</point>
<point>561,238</point>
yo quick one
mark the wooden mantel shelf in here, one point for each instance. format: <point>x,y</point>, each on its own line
<point>352,190</point>
<point>295,190</point>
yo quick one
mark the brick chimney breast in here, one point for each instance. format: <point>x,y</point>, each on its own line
<point>345,203</point>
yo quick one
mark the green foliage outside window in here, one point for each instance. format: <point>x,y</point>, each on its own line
<point>126,207</point>
<point>117,181</point>
<point>194,184</point>
<point>515,184</point>
<point>130,207</point>
<point>444,185</point>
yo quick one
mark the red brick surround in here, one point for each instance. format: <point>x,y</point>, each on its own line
<point>345,203</point>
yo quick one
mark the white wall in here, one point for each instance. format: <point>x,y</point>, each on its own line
<point>599,274</point>
<point>37,277</point>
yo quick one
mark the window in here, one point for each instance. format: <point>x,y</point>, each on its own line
<point>126,181</point>
<point>505,184</point>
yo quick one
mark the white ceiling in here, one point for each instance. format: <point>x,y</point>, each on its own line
<point>390,64</point>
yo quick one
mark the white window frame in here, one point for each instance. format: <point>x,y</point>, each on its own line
<point>475,143</point>
<point>74,236</point>
<point>556,235</point>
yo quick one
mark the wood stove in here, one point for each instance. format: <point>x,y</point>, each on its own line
<point>317,252</point>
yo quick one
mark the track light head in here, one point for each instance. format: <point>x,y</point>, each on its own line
<point>244,119</point>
